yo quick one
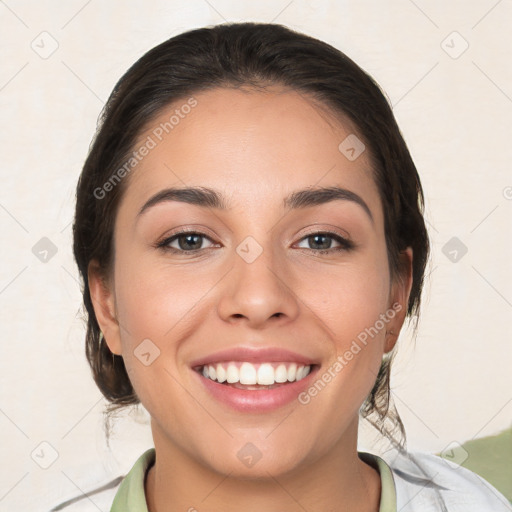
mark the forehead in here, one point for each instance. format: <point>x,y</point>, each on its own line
<point>252,145</point>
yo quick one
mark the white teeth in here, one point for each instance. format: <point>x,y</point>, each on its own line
<point>221,373</point>
<point>281,373</point>
<point>292,372</point>
<point>247,374</point>
<point>232,374</point>
<point>264,374</point>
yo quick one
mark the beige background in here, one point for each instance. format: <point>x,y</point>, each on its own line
<point>455,110</point>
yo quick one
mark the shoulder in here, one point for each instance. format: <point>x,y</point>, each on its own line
<point>426,482</point>
<point>104,495</point>
<point>91,500</point>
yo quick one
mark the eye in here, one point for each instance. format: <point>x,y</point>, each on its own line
<point>184,241</point>
<point>192,241</point>
<point>322,242</point>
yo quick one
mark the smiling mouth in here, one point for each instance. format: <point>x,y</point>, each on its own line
<point>249,376</point>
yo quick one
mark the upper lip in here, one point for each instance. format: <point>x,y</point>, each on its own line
<point>253,355</point>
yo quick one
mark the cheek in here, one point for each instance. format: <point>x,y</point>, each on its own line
<point>352,303</point>
<point>159,307</point>
<point>348,298</point>
<point>152,299</point>
<point>155,309</point>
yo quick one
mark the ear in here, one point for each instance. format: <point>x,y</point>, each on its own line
<point>399,299</point>
<point>102,297</point>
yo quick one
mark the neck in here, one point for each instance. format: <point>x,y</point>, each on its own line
<point>337,481</point>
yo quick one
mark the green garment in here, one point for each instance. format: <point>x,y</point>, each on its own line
<point>489,457</point>
<point>131,497</point>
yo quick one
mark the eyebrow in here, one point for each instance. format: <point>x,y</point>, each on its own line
<point>210,198</point>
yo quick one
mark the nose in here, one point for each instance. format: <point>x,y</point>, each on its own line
<point>258,291</point>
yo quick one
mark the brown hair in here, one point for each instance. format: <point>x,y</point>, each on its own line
<point>238,55</point>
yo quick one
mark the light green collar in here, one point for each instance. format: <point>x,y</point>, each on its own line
<point>387,492</point>
<point>130,496</point>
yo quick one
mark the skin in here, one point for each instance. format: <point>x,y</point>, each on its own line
<point>255,148</point>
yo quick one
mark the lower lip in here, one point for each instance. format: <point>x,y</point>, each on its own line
<point>257,400</point>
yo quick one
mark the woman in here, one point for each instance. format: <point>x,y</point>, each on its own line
<point>250,234</point>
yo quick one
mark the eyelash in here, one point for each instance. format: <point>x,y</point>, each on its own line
<point>345,244</point>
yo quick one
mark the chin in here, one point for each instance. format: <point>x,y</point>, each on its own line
<point>252,463</point>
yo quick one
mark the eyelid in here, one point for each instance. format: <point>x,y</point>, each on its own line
<point>331,230</point>
<point>190,229</point>
<point>165,240</point>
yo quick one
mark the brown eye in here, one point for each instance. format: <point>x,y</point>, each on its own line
<point>185,241</point>
<point>322,242</point>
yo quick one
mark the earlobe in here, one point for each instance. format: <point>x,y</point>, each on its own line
<point>399,300</point>
<point>102,297</point>
<point>390,341</point>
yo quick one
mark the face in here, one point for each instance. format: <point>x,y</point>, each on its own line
<point>285,301</point>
